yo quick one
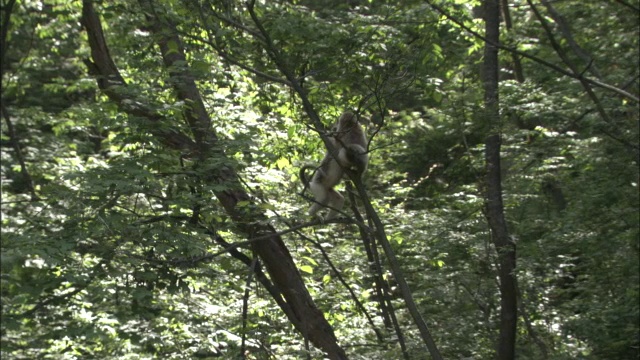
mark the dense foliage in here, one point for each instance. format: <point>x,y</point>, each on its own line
<point>113,242</point>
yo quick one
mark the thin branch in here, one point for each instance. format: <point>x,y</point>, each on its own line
<point>245,305</point>
<point>57,299</point>
<point>563,56</point>
<point>4,33</point>
<point>231,249</point>
<point>517,65</point>
<point>26,177</point>
<point>556,68</point>
<point>374,263</point>
<point>242,244</point>
<point>532,332</point>
<point>486,309</point>
<point>631,6</point>
<point>7,10</point>
<point>381,286</point>
<point>335,270</point>
<point>566,32</point>
<point>226,56</point>
<point>236,24</point>
<point>583,81</point>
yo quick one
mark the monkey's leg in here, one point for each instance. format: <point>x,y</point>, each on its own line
<point>354,157</point>
<point>321,196</point>
<point>335,201</point>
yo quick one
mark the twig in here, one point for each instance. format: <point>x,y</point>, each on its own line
<point>16,147</point>
<point>335,270</point>
<point>245,305</point>
<point>583,80</point>
<point>534,58</point>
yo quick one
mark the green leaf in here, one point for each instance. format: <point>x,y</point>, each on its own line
<point>306,268</point>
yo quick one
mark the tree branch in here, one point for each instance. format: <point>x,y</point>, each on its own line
<point>111,82</point>
<point>556,68</point>
<point>26,177</point>
<point>230,59</point>
<point>579,75</point>
<point>630,6</point>
<point>566,32</point>
<point>505,247</point>
<point>354,297</point>
<point>7,10</point>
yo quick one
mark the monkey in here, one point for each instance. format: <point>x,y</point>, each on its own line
<point>349,140</point>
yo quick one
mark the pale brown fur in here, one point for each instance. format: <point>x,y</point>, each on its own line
<point>350,144</point>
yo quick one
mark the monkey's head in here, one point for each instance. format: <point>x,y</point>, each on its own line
<point>345,123</point>
<point>347,120</point>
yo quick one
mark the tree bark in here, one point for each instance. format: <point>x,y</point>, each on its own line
<point>494,208</point>
<point>4,32</point>
<point>303,314</point>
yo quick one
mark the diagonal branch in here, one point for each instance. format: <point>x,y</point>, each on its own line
<point>578,75</point>
<point>566,32</point>
<point>630,6</point>
<point>13,138</point>
<point>554,67</point>
<point>183,82</point>
<point>354,297</point>
<point>4,32</point>
<point>234,61</point>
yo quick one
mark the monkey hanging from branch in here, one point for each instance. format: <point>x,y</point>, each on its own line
<point>350,144</point>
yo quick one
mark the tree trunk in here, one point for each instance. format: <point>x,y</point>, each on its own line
<point>494,208</point>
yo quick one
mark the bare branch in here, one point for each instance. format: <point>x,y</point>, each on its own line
<point>583,81</point>
<point>566,32</point>
<point>26,177</point>
<point>229,58</point>
<point>556,68</point>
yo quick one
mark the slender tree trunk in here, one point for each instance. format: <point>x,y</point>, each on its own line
<point>4,31</point>
<point>494,208</point>
<point>518,73</point>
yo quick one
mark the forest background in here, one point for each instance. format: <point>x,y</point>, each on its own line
<point>151,205</point>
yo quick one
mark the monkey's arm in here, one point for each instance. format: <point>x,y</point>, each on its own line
<point>354,157</point>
